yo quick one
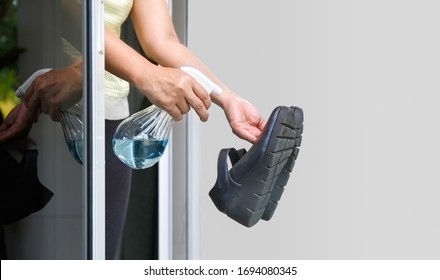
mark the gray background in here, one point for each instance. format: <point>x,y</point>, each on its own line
<point>366,73</point>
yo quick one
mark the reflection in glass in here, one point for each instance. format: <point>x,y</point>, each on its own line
<point>48,35</point>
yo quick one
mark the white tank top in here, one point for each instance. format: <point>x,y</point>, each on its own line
<point>116,89</point>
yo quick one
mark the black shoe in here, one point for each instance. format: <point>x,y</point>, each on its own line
<point>244,191</point>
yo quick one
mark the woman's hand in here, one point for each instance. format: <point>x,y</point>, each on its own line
<point>176,92</point>
<point>244,119</point>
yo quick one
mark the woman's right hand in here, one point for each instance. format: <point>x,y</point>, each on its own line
<point>176,92</point>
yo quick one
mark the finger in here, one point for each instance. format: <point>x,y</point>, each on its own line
<point>32,102</point>
<point>254,133</point>
<point>5,135</point>
<point>198,106</point>
<point>55,115</point>
<point>175,113</point>
<point>9,133</point>
<point>53,110</point>
<point>262,125</point>
<point>247,132</point>
<point>246,135</point>
<point>202,94</point>
<point>183,107</point>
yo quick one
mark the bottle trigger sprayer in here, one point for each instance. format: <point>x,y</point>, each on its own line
<point>140,140</point>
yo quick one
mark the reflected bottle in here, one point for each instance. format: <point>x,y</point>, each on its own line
<point>71,120</point>
<point>73,129</point>
<point>140,140</point>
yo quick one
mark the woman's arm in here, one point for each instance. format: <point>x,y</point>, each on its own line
<point>168,88</point>
<point>158,38</point>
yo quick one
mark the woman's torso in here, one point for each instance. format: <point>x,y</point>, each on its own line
<point>116,90</point>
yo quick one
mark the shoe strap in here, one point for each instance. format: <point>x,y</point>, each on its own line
<point>222,164</point>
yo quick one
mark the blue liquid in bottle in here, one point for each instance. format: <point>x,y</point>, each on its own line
<point>139,153</point>
<point>72,124</point>
<point>76,148</point>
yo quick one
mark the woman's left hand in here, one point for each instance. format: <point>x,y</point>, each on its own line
<point>245,120</point>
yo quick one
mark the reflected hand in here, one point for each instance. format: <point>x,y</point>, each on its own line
<point>17,124</point>
<point>54,91</point>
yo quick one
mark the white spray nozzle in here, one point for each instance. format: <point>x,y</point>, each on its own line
<point>204,81</point>
<point>23,88</point>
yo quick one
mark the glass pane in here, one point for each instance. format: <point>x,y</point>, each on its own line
<point>49,218</point>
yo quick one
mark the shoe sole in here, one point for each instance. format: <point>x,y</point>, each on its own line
<point>284,176</point>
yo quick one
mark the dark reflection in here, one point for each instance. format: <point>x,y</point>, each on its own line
<point>42,198</point>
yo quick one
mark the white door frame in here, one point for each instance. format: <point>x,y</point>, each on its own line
<point>179,169</point>
<point>94,131</point>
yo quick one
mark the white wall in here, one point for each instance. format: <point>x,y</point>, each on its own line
<point>366,73</point>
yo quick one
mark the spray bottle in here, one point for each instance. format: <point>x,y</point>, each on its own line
<point>141,139</point>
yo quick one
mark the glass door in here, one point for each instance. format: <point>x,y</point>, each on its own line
<point>52,201</point>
